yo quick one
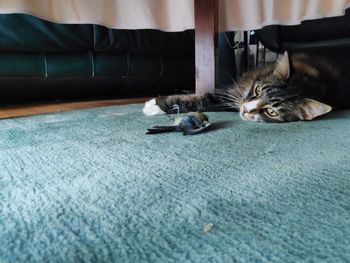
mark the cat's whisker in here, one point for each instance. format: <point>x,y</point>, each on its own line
<point>227,96</point>
<point>227,99</point>
<point>236,102</point>
<point>238,92</point>
<point>235,96</point>
<point>230,93</point>
<point>227,107</point>
<point>221,85</point>
<point>274,80</point>
<point>237,88</point>
<point>233,80</point>
<point>231,104</point>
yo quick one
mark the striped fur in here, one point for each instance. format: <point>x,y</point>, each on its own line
<point>300,87</point>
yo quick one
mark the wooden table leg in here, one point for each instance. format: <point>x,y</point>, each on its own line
<point>205,45</point>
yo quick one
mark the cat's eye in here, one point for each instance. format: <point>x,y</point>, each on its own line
<point>271,112</point>
<point>257,90</point>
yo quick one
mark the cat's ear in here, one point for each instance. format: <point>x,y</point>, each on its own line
<point>282,69</point>
<point>313,109</point>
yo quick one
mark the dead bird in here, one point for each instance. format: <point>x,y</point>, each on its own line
<point>189,124</point>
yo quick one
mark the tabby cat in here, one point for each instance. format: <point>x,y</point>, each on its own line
<point>297,87</point>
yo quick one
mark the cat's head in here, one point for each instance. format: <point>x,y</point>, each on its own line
<point>271,94</point>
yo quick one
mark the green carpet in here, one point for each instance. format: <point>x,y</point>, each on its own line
<point>90,186</point>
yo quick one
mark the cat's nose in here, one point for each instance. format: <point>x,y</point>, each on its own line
<point>249,107</point>
<point>245,108</point>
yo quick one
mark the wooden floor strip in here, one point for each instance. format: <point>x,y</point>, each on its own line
<point>11,111</point>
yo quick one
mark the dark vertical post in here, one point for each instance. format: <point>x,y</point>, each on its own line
<point>257,54</point>
<point>246,51</point>
<point>205,45</point>
<point>264,55</point>
<point>226,68</point>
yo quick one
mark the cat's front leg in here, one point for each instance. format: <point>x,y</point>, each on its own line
<point>167,105</point>
<point>179,103</point>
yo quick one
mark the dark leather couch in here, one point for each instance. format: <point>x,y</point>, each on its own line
<point>330,36</point>
<point>41,59</point>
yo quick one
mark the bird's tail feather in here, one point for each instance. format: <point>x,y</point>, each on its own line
<point>161,129</point>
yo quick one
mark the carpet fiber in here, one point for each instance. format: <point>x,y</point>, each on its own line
<point>90,186</point>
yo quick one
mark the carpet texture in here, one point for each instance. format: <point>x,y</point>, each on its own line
<point>90,186</point>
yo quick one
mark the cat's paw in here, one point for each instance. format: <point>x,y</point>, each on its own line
<point>151,108</point>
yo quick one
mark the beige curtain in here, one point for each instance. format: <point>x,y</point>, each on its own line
<point>168,15</point>
<point>175,15</point>
<point>253,14</point>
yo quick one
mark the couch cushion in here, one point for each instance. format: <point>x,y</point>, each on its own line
<point>318,30</point>
<point>326,35</point>
<point>143,41</point>
<point>22,64</point>
<point>20,32</point>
